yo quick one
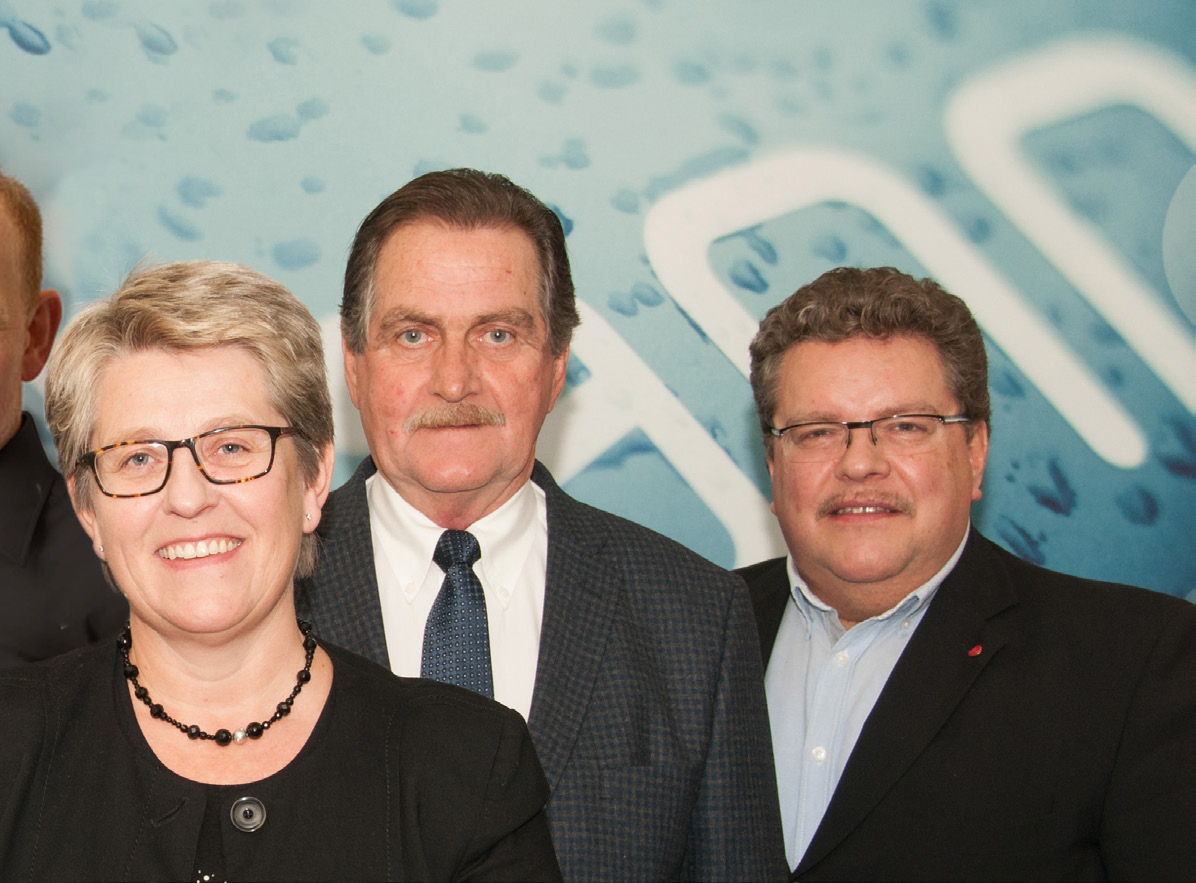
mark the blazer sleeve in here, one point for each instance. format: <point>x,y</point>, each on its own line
<point>512,839</point>
<point>1147,822</point>
<point>735,829</point>
<point>472,794</point>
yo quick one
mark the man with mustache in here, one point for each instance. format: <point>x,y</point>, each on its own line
<point>940,708</point>
<point>633,660</point>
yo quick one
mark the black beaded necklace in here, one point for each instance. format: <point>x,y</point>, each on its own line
<point>222,737</point>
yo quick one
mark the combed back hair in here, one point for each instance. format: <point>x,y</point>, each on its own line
<point>466,199</point>
<point>18,203</point>
<point>878,303</point>
<point>189,307</point>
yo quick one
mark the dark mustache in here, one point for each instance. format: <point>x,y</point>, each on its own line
<point>891,501</point>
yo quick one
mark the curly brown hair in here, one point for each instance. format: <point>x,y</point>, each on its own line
<point>879,302</point>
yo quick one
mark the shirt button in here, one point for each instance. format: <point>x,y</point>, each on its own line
<point>841,657</point>
<point>905,623</point>
<point>819,754</point>
<point>248,814</point>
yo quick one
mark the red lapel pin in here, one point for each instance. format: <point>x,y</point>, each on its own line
<point>975,651</point>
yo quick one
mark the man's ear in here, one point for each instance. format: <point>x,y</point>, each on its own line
<point>350,359</point>
<point>560,368</point>
<point>978,456</point>
<point>41,328</point>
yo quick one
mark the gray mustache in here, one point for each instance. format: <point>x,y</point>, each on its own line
<point>463,414</point>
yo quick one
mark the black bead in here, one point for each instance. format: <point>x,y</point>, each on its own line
<point>222,737</point>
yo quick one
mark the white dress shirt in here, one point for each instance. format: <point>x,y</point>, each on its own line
<point>822,682</point>
<point>512,570</point>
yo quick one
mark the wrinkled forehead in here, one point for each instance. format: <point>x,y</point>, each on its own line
<point>433,267</point>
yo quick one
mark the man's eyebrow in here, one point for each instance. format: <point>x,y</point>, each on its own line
<point>913,407</point>
<point>518,317</point>
<point>395,319</point>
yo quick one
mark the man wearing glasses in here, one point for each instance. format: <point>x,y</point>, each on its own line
<point>939,707</point>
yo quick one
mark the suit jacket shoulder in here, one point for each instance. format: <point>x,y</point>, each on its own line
<point>1037,725</point>
<point>52,588</point>
<point>648,711</point>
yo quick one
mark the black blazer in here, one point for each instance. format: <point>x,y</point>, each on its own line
<point>400,779</point>
<point>1037,726</point>
<point>52,590</point>
<point>648,711</point>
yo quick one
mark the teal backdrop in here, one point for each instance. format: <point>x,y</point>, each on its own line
<point>706,159</point>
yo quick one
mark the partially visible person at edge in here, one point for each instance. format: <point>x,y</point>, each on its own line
<point>218,738</point>
<point>633,660</point>
<point>941,709</point>
<point>52,590</point>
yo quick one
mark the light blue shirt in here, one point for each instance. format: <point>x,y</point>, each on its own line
<point>822,682</point>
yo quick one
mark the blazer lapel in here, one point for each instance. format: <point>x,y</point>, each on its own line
<point>930,679</point>
<point>581,593</point>
<point>768,587</point>
<point>342,599</point>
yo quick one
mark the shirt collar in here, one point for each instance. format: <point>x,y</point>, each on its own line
<point>810,606</point>
<point>505,537</point>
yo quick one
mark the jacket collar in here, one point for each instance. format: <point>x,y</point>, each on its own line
<point>971,618</point>
<point>581,596</point>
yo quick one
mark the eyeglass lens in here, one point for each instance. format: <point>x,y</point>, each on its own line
<point>901,434</point>
<point>225,456</point>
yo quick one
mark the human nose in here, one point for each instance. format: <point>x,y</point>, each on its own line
<point>187,491</point>
<point>862,456</point>
<point>454,372</point>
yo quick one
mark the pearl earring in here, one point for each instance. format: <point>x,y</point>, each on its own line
<point>309,516</point>
<point>101,549</point>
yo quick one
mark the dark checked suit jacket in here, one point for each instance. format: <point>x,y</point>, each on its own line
<point>1038,726</point>
<point>648,712</point>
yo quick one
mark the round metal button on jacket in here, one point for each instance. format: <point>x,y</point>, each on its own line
<point>248,813</point>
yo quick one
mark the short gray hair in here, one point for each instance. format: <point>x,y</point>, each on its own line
<point>181,307</point>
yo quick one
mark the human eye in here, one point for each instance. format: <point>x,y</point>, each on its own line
<point>135,458</point>
<point>498,336</point>
<point>229,448</point>
<point>813,435</point>
<point>907,429</point>
<point>411,337</point>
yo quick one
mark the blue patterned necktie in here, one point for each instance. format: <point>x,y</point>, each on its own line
<point>457,635</point>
